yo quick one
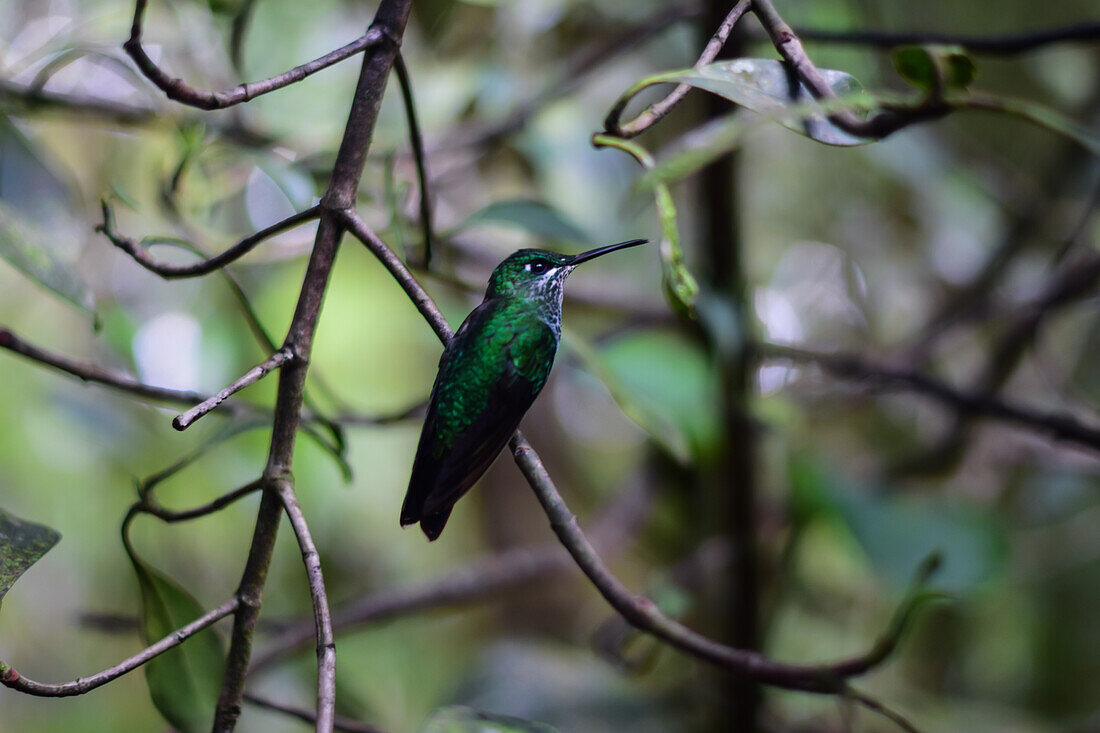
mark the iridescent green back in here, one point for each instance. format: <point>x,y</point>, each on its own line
<point>488,377</point>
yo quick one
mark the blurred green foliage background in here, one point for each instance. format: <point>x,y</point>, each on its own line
<point>847,249</point>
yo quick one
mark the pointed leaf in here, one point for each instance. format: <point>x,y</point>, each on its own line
<point>183,682</point>
<point>23,245</point>
<point>665,384</point>
<point>460,719</point>
<point>534,216</point>
<point>663,429</point>
<point>898,533</point>
<point>22,544</point>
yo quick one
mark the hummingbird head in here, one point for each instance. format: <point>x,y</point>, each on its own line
<point>539,273</point>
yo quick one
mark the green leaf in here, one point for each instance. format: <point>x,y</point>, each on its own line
<point>935,67</point>
<point>35,217</point>
<point>767,87</point>
<point>697,149</point>
<point>1039,114</point>
<point>22,544</point>
<point>665,384</point>
<point>899,533</point>
<point>23,245</point>
<point>460,719</point>
<point>650,418</point>
<point>183,682</point>
<point>27,183</point>
<point>533,216</point>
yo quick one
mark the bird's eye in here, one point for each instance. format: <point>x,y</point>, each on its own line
<point>538,266</point>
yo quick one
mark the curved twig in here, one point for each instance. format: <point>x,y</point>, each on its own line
<point>416,141</point>
<point>657,111</point>
<point>338,723</point>
<point>11,678</point>
<point>637,609</point>
<point>416,292</point>
<point>1061,426</point>
<point>178,90</point>
<point>253,375</point>
<point>326,644</point>
<point>91,373</point>
<point>217,262</point>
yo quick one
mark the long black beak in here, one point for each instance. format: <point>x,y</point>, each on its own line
<point>600,251</point>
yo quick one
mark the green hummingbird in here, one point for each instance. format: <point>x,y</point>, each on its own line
<point>489,375</point>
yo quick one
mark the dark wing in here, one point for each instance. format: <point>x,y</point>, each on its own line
<point>488,377</point>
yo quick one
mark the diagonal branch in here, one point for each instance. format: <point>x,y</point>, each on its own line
<point>253,375</point>
<point>879,125</point>
<point>1006,44</point>
<point>91,373</point>
<point>416,292</point>
<point>637,609</point>
<point>178,90</point>
<point>1061,426</point>
<point>10,677</point>
<point>338,722</point>
<point>218,261</point>
<point>644,614</point>
<point>416,141</point>
<point>389,22</point>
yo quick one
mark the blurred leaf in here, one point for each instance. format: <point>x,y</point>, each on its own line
<point>899,533</point>
<point>184,682</point>
<point>668,380</point>
<point>22,544</point>
<point>27,184</point>
<point>460,719</point>
<point>1041,115</point>
<point>22,244</point>
<point>698,149</point>
<point>935,67</point>
<point>534,216</point>
<point>660,426</point>
<point>767,87</point>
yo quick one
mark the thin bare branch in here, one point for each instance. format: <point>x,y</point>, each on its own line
<point>338,723</point>
<point>11,678</point>
<point>638,610</point>
<point>644,614</point>
<point>178,90</point>
<point>416,141</point>
<point>27,98</point>
<point>148,506</point>
<point>390,21</point>
<point>253,375</point>
<point>416,292</point>
<point>1061,426</point>
<point>888,120</point>
<point>326,643</point>
<point>218,261</point>
<point>995,44</point>
<point>875,706</point>
<point>91,373</point>
<point>657,111</point>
